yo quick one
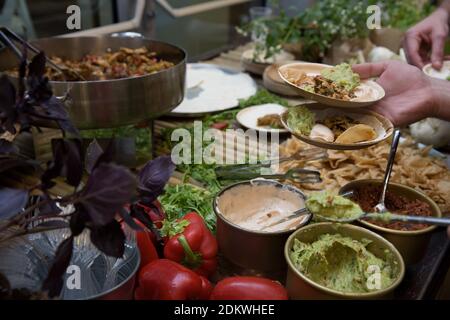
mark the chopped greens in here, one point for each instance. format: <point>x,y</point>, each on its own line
<point>262,97</point>
<point>181,199</point>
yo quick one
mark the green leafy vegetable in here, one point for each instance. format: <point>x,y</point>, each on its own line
<point>262,97</point>
<point>205,173</point>
<point>179,200</point>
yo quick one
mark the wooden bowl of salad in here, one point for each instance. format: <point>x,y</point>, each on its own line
<point>336,86</point>
<point>335,128</point>
<point>410,239</point>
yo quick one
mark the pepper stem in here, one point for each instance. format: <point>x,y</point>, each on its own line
<point>191,259</point>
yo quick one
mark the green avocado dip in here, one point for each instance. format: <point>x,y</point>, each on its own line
<point>333,207</point>
<point>343,264</point>
<point>300,120</point>
<point>342,75</point>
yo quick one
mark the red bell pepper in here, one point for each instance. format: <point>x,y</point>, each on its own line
<point>167,280</point>
<point>191,243</point>
<point>248,288</point>
<point>156,215</point>
<point>146,247</point>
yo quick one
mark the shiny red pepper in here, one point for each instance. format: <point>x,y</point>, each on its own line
<point>192,244</point>
<point>167,280</point>
<point>248,288</point>
<point>146,247</point>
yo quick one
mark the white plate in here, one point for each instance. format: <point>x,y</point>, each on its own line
<point>211,88</point>
<point>248,117</point>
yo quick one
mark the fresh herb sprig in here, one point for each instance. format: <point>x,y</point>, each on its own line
<point>178,200</point>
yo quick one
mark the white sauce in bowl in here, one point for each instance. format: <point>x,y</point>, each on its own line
<point>254,207</point>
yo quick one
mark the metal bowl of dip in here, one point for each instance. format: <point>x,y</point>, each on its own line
<point>411,244</point>
<point>243,209</point>
<point>301,287</point>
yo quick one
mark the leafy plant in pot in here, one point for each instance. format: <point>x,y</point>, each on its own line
<point>99,201</point>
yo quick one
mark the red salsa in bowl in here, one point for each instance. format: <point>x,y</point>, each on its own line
<point>368,196</point>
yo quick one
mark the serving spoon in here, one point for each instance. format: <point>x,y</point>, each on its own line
<point>381,207</point>
<point>387,216</point>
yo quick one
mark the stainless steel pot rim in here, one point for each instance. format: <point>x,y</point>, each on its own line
<point>132,274</point>
<point>341,294</point>
<point>263,181</point>
<point>183,60</point>
<point>399,232</point>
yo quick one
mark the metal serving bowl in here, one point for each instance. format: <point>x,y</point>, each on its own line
<point>119,102</point>
<point>411,244</point>
<point>301,287</point>
<point>26,261</point>
<point>257,251</point>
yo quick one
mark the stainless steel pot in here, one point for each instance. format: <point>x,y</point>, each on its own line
<point>119,102</point>
<point>258,251</point>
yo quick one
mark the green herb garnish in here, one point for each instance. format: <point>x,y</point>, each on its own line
<point>181,199</point>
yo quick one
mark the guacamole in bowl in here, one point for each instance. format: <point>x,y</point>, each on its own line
<point>341,261</point>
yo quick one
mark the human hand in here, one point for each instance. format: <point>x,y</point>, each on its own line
<point>428,34</point>
<point>409,92</point>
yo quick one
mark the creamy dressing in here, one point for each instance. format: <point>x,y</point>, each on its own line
<point>254,207</point>
<point>365,92</point>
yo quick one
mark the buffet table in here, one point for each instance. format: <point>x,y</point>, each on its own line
<point>422,280</point>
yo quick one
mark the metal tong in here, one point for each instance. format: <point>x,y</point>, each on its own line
<point>7,37</point>
<point>298,175</point>
<point>252,171</point>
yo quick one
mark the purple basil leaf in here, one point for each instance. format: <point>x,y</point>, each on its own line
<point>139,213</point>
<point>7,94</point>
<point>108,154</point>
<point>8,162</point>
<point>129,220</point>
<point>5,287</point>
<point>37,66</point>
<point>51,108</point>
<point>8,112</point>
<point>55,280</point>
<point>78,220</point>
<point>93,153</point>
<point>109,239</point>
<point>40,103</point>
<point>12,201</point>
<point>66,163</point>
<point>56,109</point>
<point>108,189</point>
<point>153,178</point>
<point>7,147</point>
<point>22,73</point>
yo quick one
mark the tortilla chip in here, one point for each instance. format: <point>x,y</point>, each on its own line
<point>357,133</point>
